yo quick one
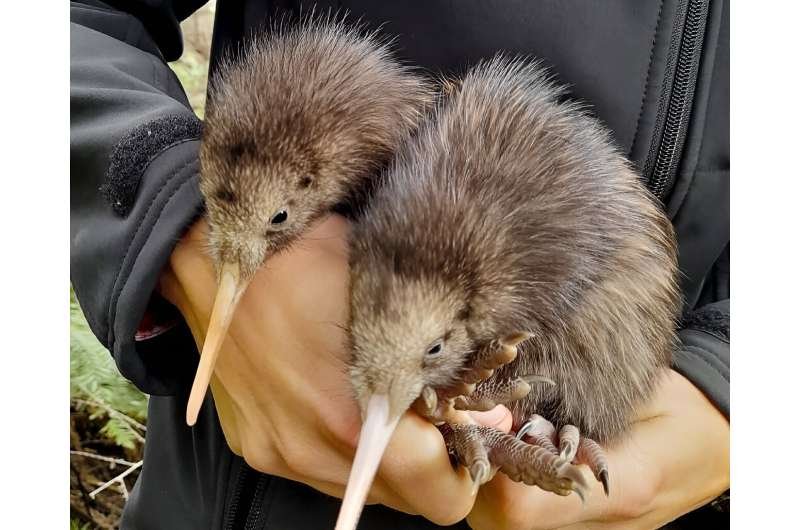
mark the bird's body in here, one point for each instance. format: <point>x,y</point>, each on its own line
<point>511,211</point>
<point>299,122</point>
<point>519,208</point>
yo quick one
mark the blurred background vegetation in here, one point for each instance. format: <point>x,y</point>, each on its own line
<point>108,415</point>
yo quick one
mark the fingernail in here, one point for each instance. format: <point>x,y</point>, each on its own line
<point>492,418</point>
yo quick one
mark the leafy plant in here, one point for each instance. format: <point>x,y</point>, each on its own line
<point>74,524</point>
<point>95,383</point>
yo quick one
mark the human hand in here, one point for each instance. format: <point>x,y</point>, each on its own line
<point>675,459</point>
<point>280,384</point>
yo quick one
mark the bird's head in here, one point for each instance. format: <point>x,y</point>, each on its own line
<point>258,202</point>
<point>413,334</point>
<point>406,334</point>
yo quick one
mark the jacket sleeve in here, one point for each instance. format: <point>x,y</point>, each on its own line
<point>703,355</point>
<point>133,163</point>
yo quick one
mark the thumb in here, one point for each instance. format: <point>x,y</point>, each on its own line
<point>499,418</point>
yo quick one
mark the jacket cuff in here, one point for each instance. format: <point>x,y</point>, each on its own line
<point>703,356</point>
<point>169,200</point>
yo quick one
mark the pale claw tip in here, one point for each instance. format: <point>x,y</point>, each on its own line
<point>581,494</point>
<point>534,379</point>
<point>479,471</point>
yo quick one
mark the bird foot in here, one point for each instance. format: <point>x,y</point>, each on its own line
<point>567,444</point>
<point>440,406</point>
<point>485,449</point>
<point>475,388</point>
<point>488,394</point>
<point>537,455</point>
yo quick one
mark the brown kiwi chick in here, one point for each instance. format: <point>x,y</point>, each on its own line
<point>297,125</point>
<point>509,238</point>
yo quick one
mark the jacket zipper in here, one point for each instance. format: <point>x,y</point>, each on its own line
<point>233,509</point>
<point>253,521</point>
<point>247,495</point>
<point>665,153</point>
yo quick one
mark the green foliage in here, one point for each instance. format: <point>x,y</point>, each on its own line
<point>96,383</point>
<point>74,524</point>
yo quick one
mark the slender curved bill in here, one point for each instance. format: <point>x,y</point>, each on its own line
<point>229,291</point>
<point>375,435</point>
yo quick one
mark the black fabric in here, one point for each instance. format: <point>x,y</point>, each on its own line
<point>137,149</point>
<point>162,19</point>
<point>712,319</point>
<point>616,55</point>
<point>704,354</point>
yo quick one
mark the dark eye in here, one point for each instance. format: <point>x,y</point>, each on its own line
<point>279,217</point>
<point>435,349</point>
<point>225,195</point>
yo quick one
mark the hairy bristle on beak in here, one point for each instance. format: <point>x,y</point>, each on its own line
<point>375,434</point>
<point>229,291</point>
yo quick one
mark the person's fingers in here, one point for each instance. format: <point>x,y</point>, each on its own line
<point>649,469</point>
<point>499,418</point>
<point>688,451</point>
<point>634,471</point>
<point>416,475</point>
<point>416,466</point>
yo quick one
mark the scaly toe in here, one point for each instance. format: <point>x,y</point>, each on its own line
<point>591,454</point>
<point>539,431</point>
<point>568,439</point>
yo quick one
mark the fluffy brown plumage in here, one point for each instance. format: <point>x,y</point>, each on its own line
<point>512,211</point>
<point>296,125</point>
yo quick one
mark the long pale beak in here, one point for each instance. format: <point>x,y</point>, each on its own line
<point>375,434</point>
<point>229,292</point>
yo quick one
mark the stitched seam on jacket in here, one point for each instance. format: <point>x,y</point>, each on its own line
<point>166,204</point>
<point>708,390</point>
<point>96,9</point>
<point>700,354</point>
<point>117,289</point>
<point>647,78</point>
<point>710,334</point>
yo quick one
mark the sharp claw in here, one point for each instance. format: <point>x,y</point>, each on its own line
<point>474,489</point>
<point>604,479</point>
<point>571,472</point>
<point>464,389</point>
<point>460,403</point>
<point>479,471</point>
<point>581,494</point>
<point>525,429</point>
<point>534,379</point>
<point>477,375</point>
<point>568,440</point>
<point>568,451</point>
<point>520,389</point>
<point>427,403</point>
<point>429,398</point>
<point>507,354</point>
<point>515,338</point>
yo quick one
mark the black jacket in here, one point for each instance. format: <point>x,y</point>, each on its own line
<point>655,72</point>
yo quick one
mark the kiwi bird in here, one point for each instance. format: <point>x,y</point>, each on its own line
<point>296,125</point>
<point>509,244</point>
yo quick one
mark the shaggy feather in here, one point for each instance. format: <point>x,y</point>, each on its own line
<point>509,211</point>
<point>299,121</point>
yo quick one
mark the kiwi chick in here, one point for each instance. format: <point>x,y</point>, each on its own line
<point>297,124</point>
<point>510,219</point>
